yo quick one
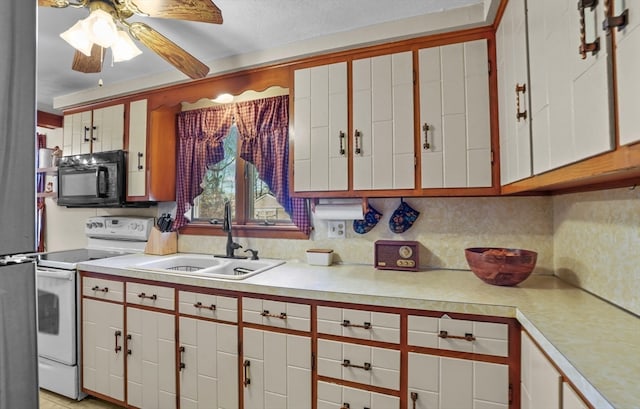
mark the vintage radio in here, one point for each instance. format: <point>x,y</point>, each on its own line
<point>397,255</point>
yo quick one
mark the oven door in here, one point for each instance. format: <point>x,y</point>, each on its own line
<point>57,327</point>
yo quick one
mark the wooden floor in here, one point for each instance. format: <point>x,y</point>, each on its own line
<point>50,400</point>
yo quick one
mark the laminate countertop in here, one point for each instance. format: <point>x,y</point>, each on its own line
<point>594,343</point>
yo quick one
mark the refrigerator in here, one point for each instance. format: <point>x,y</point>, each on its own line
<point>18,330</point>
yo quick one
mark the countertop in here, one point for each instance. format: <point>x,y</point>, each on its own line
<point>595,344</point>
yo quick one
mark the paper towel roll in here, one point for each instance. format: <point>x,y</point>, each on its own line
<point>339,211</point>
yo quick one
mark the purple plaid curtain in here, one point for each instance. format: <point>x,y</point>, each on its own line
<point>40,203</point>
<point>263,128</point>
<point>200,135</point>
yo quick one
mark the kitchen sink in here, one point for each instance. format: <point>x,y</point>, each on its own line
<point>208,266</point>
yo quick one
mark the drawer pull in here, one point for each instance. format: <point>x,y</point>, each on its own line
<point>129,352</point>
<point>104,290</point>
<point>414,399</point>
<point>347,323</point>
<point>150,297</point>
<point>199,305</point>
<point>426,145</point>
<point>117,348</point>
<point>347,364</point>
<point>345,405</point>
<point>467,336</point>
<point>247,381</point>
<point>282,315</point>
<point>182,365</point>
<point>341,136</point>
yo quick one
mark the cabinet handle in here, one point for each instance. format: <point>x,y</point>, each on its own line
<point>467,336</point>
<point>282,315</point>
<point>347,323</point>
<point>140,155</point>
<point>86,129</point>
<point>619,22</point>
<point>357,136</point>
<point>151,297</point>
<point>182,365</point>
<point>347,364</point>
<point>520,89</point>
<point>414,399</point>
<point>117,348</point>
<point>345,405</point>
<point>342,149</point>
<point>93,128</point>
<point>246,364</point>
<point>425,129</point>
<point>585,47</point>
<point>129,352</point>
<point>199,305</point>
<point>104,290</point>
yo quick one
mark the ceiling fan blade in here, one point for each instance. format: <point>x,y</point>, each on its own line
<point>53,3</point>
<point>170,51</point>
<point>86,64</point>
<point>192,10</point>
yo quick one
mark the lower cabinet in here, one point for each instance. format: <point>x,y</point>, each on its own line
<point>443,382</point>
<point>333,396</point>
<point>276,370</point>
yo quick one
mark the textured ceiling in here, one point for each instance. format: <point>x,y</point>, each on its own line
<point>249,26</point>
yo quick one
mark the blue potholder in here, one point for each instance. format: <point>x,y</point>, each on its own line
<point>371,218</point>
<point>403,218</point>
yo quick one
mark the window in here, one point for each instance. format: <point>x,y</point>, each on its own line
<point>220,184</point>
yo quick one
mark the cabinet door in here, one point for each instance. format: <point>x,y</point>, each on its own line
<point>320,128</point>
<point>333,396</point>
<point>209,364</point>
<point>628,66</point>
<point>76,133</point>
<point>513,94</point>
<point>383,139</point>
<point>277,370</point>
<point>103,348</point>
<point>456,383</point>
<point>151,365</point>
<point>571,399</point>
<point>540,381</point>
<point>571,97</point>
<point>108,128</point>
<point>454,116</point>
<point>137,167</point>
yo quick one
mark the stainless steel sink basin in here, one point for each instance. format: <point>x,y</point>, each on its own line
<point>209,266</point>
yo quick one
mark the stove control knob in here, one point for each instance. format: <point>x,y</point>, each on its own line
<point>88,225</point>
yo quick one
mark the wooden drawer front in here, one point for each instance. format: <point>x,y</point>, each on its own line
<point>346,361</point>
<point>490,338</point>
<point>208,306</point>
<point>151,295</point>
<point>277,314</point>
<point>376,326</point>
<point>104,289</point>
<point>332,396</point>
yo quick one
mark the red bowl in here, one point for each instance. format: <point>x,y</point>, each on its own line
<point>501,266</point>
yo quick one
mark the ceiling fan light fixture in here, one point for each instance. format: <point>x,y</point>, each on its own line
<point>77,37</point>
<point>101,28</point>
<point>124,49</point>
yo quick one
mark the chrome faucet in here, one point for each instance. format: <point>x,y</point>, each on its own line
<point>226,227</point>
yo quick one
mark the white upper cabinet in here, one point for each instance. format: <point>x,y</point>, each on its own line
<point>513,94</point>
<point>383,131</point>
<point>454,116</point>
<point>137,161</point>
<point>320,128</point>
<point>571,87</point>
<point>628,67</point>
<point>99,130</point>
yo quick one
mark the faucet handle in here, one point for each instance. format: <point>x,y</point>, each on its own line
<point>254,253</point>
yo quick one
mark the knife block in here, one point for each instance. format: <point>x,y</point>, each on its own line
<point>160,243</point>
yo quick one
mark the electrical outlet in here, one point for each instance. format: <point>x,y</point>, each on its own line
<point>336,229</point>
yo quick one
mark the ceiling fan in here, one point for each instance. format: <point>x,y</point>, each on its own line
<point>105,27</point>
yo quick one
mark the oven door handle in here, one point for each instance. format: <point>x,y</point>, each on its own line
<point>57,274</point>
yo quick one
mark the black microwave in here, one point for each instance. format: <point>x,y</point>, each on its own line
<point>93,180</point>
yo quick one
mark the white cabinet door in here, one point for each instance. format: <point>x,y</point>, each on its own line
<point>76,133</point>
<point>571,97</point>
<point>454,116</point>
<point>108,128</point>
<point>540,381</point>
<point>456,383</point>
<point>321,128</point>
<point>571,399</point>
<point>333,396</point>
<point>628,66</point>
<point>513,94</point>
<point>151,365</point>
<point>277,370</point>
<point>103,348</point>
<point>137,167</point>
<point>209,370</point>
<point>383,131</point>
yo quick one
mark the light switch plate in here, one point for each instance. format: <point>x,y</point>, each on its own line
<point>336,229</point>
